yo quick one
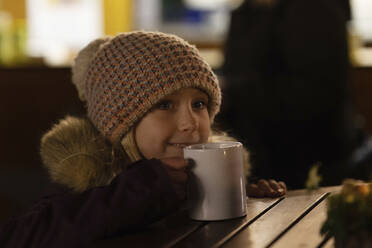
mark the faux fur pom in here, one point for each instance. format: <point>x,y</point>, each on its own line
<point>76,155</point>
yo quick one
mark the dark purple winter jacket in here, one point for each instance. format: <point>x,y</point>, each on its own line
<point>137,197</point>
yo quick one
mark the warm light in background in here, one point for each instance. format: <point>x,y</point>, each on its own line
<point>57,29</point>
<point>213,4</point>
<point>54,30</point>
<point>361,31</point>
<point>117,16</point>
<point>362,18</point>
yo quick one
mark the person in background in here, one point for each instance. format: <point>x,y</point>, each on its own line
<point>121,168</point>
<point>286,93</point>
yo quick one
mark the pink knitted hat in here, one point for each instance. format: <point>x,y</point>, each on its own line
<point>126,75</point>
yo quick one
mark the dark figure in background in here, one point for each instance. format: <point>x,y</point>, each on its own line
<point>286,88</point>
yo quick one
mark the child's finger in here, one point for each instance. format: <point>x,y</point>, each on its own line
<point>283,186</point>
<point>265,187</point>
<point>253,190</point>
<point>278,188</point>
<point>274,184</point>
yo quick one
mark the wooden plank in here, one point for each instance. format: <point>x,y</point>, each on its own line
<point>272,224</point>
<point>331,189</point>
<point>307,232</point>
<point>164,233</point>
<point>213,234</point>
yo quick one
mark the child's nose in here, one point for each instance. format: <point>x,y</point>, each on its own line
<point>187,120</point>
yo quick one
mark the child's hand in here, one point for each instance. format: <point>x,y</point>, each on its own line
<point>176,169</point>
<point>266,188</point>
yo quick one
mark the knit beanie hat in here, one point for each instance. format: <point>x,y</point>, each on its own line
<point>123,77</point>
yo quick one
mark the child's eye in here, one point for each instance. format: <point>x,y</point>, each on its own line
<point>199,104</point>
<point>164,105</point>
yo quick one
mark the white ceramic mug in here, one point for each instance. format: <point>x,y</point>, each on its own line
<point>216,188</point>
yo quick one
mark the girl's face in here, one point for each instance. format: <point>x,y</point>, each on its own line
<point>178,120</point>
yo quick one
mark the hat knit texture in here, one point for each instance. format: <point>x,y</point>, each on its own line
<point>125,76</point>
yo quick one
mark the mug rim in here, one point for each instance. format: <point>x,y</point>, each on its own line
<point>213,145</point>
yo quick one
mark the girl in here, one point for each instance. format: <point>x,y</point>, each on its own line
<point>148,95</point>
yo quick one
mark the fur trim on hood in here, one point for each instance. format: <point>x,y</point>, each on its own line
<point>77,155</point>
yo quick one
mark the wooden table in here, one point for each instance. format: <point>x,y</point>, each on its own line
<point>290,221</point>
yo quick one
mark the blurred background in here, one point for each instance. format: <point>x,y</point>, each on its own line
<point>52,31</point>
<point>40,38</point>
